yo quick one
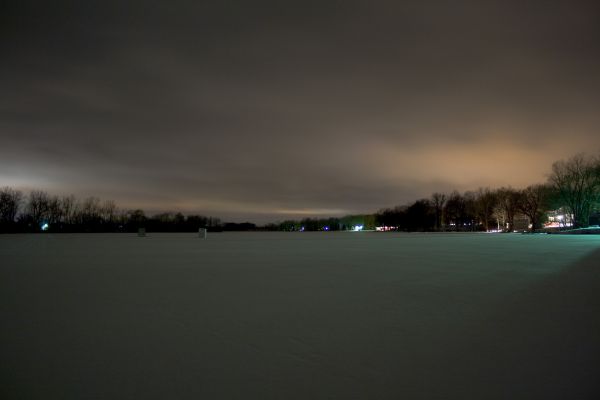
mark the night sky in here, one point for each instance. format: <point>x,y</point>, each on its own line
<point>263,110</point>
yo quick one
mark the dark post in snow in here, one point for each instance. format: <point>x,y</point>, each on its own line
<point>202,233</point>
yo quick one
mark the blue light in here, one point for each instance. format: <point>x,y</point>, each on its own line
<point>325,228</point>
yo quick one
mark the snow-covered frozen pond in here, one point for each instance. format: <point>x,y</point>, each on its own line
<point>300,316</point>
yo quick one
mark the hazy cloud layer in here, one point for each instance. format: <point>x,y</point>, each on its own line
<point>267,109</point>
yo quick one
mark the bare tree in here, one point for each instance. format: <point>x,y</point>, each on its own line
<point>506,208</point>
<point>577,182</point>
<point>485,201</point>
<point>68,205</point>
<point>10,202</point>
<point>54,210</point>
<point>90,210</point>
<point>109,211</point>
<point>459,211</point>
<point>532,202</point>
<point>38,206</point>
<point>470,204</point>
<point>438,201</point>
<point>454,211</point>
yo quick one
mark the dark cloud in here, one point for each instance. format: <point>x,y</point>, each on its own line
<point>263,109</point>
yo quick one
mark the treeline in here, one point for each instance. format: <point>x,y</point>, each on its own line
<point>504,209</point>
<point>39,211</point>
<point>569,197</point>
<point>349,222</point>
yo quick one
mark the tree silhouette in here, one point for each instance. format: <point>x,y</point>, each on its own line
<point>577,182</point>
<point>507,206</point>
<point>532,203</point>
<point>10,202</point>
<point>438,201</point>
<point>485,202</point>
<point>38,207</point>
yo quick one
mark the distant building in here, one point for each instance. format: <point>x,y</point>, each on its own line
<point>559,219</point>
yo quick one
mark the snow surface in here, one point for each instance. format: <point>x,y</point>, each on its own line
<point>300,316</point>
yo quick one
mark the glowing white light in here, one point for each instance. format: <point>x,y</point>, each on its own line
<point>45,226</point>
<point>357,228</point>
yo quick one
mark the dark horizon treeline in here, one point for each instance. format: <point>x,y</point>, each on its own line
<point>573,190</point>
<point>40,211</point>
<point>346,223</point>
<point>504,209</point>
